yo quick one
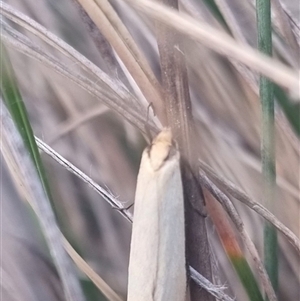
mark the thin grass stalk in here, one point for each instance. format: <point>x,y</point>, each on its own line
<point>108,197</point>
<point>90,273</point>
<point>266,91</point>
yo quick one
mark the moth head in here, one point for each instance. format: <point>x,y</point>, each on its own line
<point>161,149</point>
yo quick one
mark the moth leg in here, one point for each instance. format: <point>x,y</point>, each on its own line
<point>148,108</point>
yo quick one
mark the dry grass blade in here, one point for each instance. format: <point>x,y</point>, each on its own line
<point>38,200</point>
<point>112,85</point>
<point>214,290</point>
<point>222,44</point>
<point>86,269</point>
<point>108,197</point>
<point>230,209</point>
<point>245,199</point>
<point>116,34</point>
<point>117,23</point>
<point>111,65</point>
<point>119,105</point>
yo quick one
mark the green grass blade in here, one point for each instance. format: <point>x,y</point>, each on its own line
<point>263,11</point>
<point>15,105</point>
<point>13,100</point>
<point>247,278</point>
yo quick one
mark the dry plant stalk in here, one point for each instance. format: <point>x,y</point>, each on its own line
<point>117,35</point>
<point>180,119</point>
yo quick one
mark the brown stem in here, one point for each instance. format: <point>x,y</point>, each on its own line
<point>179,115</point>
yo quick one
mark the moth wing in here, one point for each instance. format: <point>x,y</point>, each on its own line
<point>157,269</point>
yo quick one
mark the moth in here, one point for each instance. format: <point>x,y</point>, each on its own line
<point>157,265</point>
